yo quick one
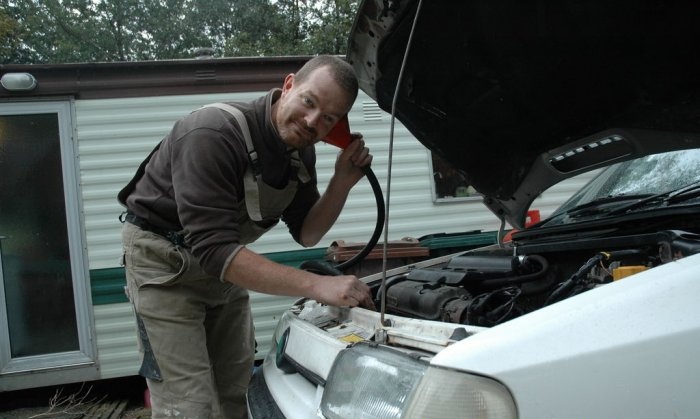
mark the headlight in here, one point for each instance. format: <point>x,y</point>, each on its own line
<point>450,394</point>
<point>374,382</point>
<point>370,382</point>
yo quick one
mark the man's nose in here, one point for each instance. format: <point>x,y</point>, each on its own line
<point>312,118</point>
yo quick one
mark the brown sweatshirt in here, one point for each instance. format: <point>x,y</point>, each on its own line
<point>195,178</point>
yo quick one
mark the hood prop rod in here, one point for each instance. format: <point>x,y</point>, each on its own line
<point>383,322</point>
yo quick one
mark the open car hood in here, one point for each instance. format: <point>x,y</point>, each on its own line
<point>520,95</point>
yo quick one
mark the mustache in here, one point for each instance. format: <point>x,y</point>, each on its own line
<point>312,131</point>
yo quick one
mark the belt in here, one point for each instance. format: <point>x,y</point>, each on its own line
<point>173,236</point>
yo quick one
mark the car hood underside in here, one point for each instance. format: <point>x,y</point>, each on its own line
<point>520,94</point>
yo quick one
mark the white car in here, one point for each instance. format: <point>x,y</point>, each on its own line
<point>590,313</point>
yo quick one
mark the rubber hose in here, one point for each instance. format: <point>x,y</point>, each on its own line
<point>379,197</point>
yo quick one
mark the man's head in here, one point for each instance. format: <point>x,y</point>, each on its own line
<point>313,100</point>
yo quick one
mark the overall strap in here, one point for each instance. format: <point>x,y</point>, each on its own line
<point>240,118</point>
<point>301,172</point>
<point>252,192</point>
<point>250,179</point>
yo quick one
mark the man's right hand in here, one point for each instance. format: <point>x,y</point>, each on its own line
<point>344,291</point>
<point>257,273</point>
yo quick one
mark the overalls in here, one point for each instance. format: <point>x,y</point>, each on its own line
<point>197,337</point>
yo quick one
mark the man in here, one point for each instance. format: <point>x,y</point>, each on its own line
<point>204,193</point>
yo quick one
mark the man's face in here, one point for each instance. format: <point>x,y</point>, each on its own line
<point>308,110</point>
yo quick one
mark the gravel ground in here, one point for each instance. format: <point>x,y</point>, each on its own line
<point>121,398</point>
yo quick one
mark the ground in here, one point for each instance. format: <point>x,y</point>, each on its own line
<point>44,413</point>
<point>121,398</point>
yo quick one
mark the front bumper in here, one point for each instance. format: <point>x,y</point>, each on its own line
<point>261,404</point>
<point>294,396</point>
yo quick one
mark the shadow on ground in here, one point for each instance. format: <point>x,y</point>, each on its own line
<point>121,398</point>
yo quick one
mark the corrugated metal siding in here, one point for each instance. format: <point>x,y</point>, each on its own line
<point>117,349</point>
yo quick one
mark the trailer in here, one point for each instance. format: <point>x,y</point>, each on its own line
<point>72,135</point>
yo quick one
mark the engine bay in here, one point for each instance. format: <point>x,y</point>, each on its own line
<point>489,286</point>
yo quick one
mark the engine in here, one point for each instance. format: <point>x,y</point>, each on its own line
<point>492,285</point>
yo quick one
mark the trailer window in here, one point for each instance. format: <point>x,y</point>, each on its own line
<point>36,260</point>
<point>448,183</point>
<point>41,273</point>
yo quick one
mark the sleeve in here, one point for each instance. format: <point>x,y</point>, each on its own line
<point>207,167</point>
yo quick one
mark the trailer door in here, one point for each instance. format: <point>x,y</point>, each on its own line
<point>45,305</point>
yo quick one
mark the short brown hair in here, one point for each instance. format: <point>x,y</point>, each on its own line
<point>341,71</point>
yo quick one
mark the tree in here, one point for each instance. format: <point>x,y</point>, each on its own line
<point>258,28</point>
<point>73,30</point>
<point>9,36</point>
<point>60,31</point>
<point>330,25</point>
<point>172,29</point>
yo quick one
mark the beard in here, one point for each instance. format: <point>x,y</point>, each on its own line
<point>295,133</point>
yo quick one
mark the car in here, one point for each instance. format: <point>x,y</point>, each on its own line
<point>588,313</point>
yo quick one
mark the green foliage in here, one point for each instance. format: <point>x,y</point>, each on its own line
<point>63,31</point>
<point>9,40</point>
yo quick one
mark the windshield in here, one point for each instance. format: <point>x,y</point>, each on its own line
<point>643,177</point>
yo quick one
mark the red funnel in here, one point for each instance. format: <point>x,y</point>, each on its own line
<point>340,134</point>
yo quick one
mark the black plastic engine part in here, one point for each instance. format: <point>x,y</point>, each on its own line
<point>480,267</point>
<point>452,304</point>
<point>440,276</point>
<point>484,272</point>
<point>422,300</point>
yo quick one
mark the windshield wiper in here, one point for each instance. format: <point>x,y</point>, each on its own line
<point>683,193</point>
<point>687,192</point>
<point>601,204</point>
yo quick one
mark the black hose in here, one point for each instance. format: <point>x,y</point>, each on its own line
<point>510,281</point>
<point>379,197</point>
<point>328,269</point>
<point>567,288</point>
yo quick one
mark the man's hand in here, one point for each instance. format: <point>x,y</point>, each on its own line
<point>257,273</point>
<point>343,291</point>
<point>350,161</point>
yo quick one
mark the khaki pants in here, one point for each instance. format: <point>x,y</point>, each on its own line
<point>199,328</point>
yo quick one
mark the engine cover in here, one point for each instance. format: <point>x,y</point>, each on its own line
<point>423,299</point>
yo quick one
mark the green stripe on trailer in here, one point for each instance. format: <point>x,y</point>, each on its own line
<point>107,286</point>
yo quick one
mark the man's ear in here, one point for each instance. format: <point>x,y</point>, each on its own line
<point>288,83</point>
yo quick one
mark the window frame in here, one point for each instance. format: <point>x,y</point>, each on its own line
<point>70,366</point>
<point>437,199</point>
